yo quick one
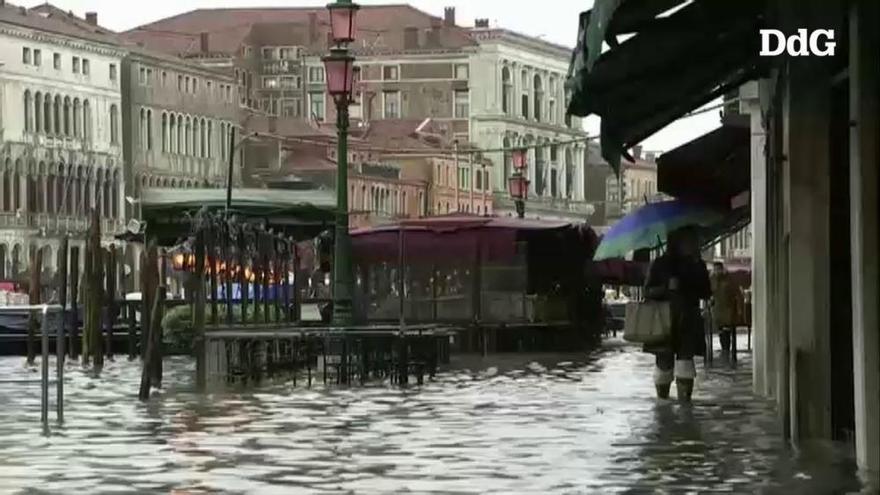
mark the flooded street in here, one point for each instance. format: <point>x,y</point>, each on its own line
<point>514,424</point>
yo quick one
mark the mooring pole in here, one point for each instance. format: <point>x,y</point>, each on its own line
<point>44,395</point>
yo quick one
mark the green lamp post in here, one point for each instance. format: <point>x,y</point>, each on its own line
<point>339,66</point>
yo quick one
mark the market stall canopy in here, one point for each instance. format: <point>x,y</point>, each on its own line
<point>300,213</point>
<point>671,63</point>
<point>712,169</point>
<point>459,238</point>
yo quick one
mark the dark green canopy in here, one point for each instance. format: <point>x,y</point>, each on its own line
<point>670,63</point>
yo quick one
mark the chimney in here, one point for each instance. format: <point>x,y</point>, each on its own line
<point>637,152</point>
<point>313,27</point>
<point>204,43</point>
<point>481,23</point>
<point>92,18</point>
<point>410,38</point>
<point>449,16</point>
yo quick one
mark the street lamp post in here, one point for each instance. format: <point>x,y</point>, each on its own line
<point>339,66</point>
<point>518,184</point>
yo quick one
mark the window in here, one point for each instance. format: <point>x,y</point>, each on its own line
<point>85,66</point>
<point>180,83</point>
<point>316,106</point>
<point>149,76</point>
<point>149,129</point>
<point>554,153</point>
<point>187,84</point>
<point>26,56</point>
<point>56,61</point>
<point>113,75</point>
<point>525,95</point>
<point>316,74</point>
<point>87,120</point>
<point>462,107</point>
<point>554,183</point>
<point>391,105</point>
<point>539,97</point>
<point>195,86</point>
<point>38,57</point>
<point>506,92</point>
<point>75,65</point>
<point>270,82</point>
<point>114,124</point>
<point>210,138</point>
<point>287,53</point>
<point>268,53</point>
<point>461,71</point>
<point>28,111</point>
<point>209,86</point>
<point>291,107</point>
<point>142,75</point>
<point>289,82</point>
<point>390,73</point>
<point>164,132</point>
<point>164,78</point>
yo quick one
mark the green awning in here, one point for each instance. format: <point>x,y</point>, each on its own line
<point>298,213</point>
<point>670,65</point>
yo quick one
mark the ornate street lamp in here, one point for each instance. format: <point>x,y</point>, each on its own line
<point>517,183</point>
<point>339,67</point>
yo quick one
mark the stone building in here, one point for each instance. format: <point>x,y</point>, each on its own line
<point>61,142</point>
<point>518,99</point>
<point>636,185</point>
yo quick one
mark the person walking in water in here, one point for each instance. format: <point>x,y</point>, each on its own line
<point>725,304</point>
<point>680,277</point>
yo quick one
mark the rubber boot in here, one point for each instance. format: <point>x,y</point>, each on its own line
<point>662,382</point>
<point>685,373</point>
<point>685,389</point>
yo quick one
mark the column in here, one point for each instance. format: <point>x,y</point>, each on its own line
<point>806,218</point>
<point>863,78</point>
<point>762,368</point>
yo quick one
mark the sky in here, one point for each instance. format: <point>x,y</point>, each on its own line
<point>553,20</point>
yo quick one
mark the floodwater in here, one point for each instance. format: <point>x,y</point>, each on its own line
<point>513,424</point>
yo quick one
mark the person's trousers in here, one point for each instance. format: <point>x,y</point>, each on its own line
<point>725,335</point>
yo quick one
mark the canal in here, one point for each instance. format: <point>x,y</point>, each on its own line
<point>516,424</point>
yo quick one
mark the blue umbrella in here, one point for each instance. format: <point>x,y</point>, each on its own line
<point>648,226</point>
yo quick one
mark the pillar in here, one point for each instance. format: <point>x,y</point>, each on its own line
<point>864,162</point>
<point>762,370</point>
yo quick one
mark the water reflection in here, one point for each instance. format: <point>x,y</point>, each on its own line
<point>534,424</point>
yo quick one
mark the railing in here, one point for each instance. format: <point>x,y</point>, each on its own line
<point>281,67</point>
<point>67,223</point>
<point>548,204</point>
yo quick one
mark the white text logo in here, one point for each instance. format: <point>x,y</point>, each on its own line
<point>819,43</point>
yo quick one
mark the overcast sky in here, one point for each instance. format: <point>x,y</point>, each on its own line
<point>554,20</point>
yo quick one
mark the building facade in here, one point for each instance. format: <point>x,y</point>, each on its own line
<point>636,186</point>
<point>518,99</point>
<point>61,135</point>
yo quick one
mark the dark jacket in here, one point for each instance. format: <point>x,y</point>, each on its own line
<point>688,335</point>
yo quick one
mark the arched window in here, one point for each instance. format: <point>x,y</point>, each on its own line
<point>56,115</point>
<point>67,127</point>
<point>28,111</point>
<point>99,196</point>
<point>203,148</point>
<point>108,195</point>
<point>149,129</point>
<point>506,91</point>
<point>3,261</point>
<point>195,137</point>
<point>77,118</point>
<point>114,124</point>
<point>525,94</point>
<point>7,187</point>
<point>181,141</point>
<point>568,188</point>
<point>552,111</point>
<point>164,132</point>
<point>38,112</point>
<point>506,168</point>
<point>142,127</point>
<point>50,192</point>
<point>172,134</point>
<point>210,139</point>
<point>47,113</point>
<point>114,196</point>
<point>539,97</point>
<point>59,188</point>
<point>87,120</point>
<point>187,137</point>
<point>16,186</point>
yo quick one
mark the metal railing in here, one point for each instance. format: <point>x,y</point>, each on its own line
<point>44,310</point>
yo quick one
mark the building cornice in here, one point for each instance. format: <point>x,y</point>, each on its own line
<point>530,125</point>
<point>32,34</point>
<point>524,41</point>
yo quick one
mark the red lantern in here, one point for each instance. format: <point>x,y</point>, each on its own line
<point>520,157</point>
<point>343,21</point>
<point>518,186</point>
<point>339,66</point>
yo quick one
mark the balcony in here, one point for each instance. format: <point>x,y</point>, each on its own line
<point>278,67</point>
<point>62,224</point>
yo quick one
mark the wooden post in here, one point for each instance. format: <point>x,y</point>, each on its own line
<point>94,294</point>
<point>74,302</point>
<point>147,373</point>
<point>34,289</point>
<point>199,312</point>
<point>62,290</point>
<point>277,298</point>
<point>149,284</point>
<point>161,295</point>
<point>297,278</point>
<point>267,274</point>
<point>111,300</point>
<point>209,243</point>
<point>287,248</point>
<point>230,263</point>
<point>242,276</point>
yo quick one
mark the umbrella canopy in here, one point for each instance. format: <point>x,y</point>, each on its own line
<point>648,226</point>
